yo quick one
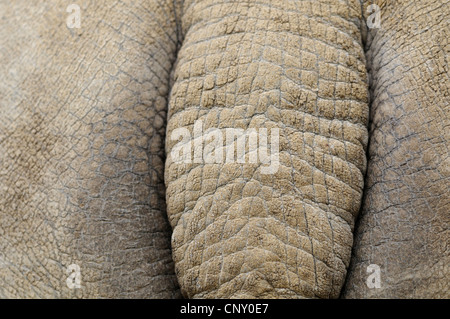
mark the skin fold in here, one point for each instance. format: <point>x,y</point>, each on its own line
<point>87,176</point>
<point>296,66</point>
<point>404,222</point>
<point>82,149</point>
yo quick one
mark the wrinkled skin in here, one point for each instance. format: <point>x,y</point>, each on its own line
<point>405,219</point>
<point>82,149</point>
<point>239,233</point>
<point>363,118</point>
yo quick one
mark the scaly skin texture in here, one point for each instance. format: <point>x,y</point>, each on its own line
<point>404,226</point>
<point>82,129</point>
<point>294,65</point>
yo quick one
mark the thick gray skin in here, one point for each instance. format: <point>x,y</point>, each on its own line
<point>405,220</point>
<point>81,152</point>
<point>82,126</point>
<point>404,227</point>
<point>297,66</point>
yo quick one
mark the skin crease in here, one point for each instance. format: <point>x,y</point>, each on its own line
<point>83,125</point>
